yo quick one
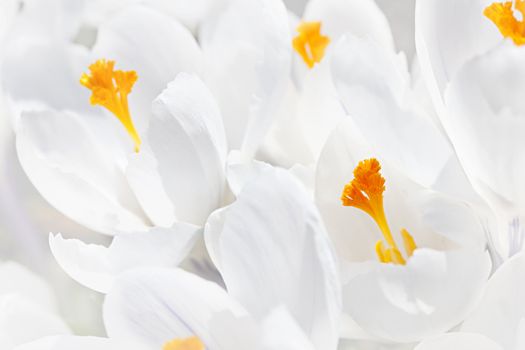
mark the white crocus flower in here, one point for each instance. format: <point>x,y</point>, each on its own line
<point>477,87</point>
<point>498,323</point>
<point>28,308</point>
<point>432,266</point>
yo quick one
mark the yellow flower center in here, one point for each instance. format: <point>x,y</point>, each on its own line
<point>502,14</point>
<point>191,343</point>
<point>110,89</point>
<point>365,192</point>
<point>309,43</point>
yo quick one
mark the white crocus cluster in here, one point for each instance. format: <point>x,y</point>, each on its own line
<point>272,179</point>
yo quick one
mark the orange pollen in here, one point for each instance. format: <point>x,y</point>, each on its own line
<point>503,16</point>
<point>110,89</point>
<point>191,343</point>
<point>310,43</point>
<point>365,192</point>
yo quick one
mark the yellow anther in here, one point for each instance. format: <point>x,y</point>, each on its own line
<point>191,343</point>
<point>365,192</point>
<point>110,89</point>
<point>310,43</point>
<point>408,241</point>
<point>502,14</point>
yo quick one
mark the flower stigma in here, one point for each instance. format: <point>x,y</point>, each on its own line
<point>365,192</point>
<point>191,343</point>
<point>310,43</point>
<point>504,17</point>
<point>110,89</point>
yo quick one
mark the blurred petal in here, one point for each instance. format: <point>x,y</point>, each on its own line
<point>21,320</point>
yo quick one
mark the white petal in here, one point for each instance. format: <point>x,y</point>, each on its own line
<point>378,97</point>
<point>153,306</point>
<point>156,46</point>
<point>501,310</point>
<point>78,343</point>
<point>96,266</point>
<point>77,174</point>
<point>463,341</point>
<point>21,320</point>
<point>448,34</point>
<point>187,138</point>
<point>361,18</point>
<point>248,53</point>
<point>273,249</point>
<point>486,110</point>
<point>431,294</point>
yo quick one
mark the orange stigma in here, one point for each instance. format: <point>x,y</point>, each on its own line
<point>110,89</point>
<point>310,43</point>
<point>365,192</point>
<point>503,16</point>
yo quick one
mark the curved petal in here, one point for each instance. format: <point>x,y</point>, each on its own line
<point>431,294</point>
<point>448,34</point>
<point>74,172</point>
<point>247,52</point>
<point>153,306</point>
<point>96,266</point>
<point>378,97</point>
<point>501,313</point>
<point>486,113</point>
<point>21,320</point>
<point>186,136</point>
<point>78,343</point>
<point>156,46</point>
<point>273,249</point>
<point>361,18</point>
<point>463,341</point>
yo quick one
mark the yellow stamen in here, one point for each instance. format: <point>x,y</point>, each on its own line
<point>110,89</point>
<point>191,343</point>
<point>365,192</point>
<point>309,43</point>
<point>502,14</point>
<point>408,240</point>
